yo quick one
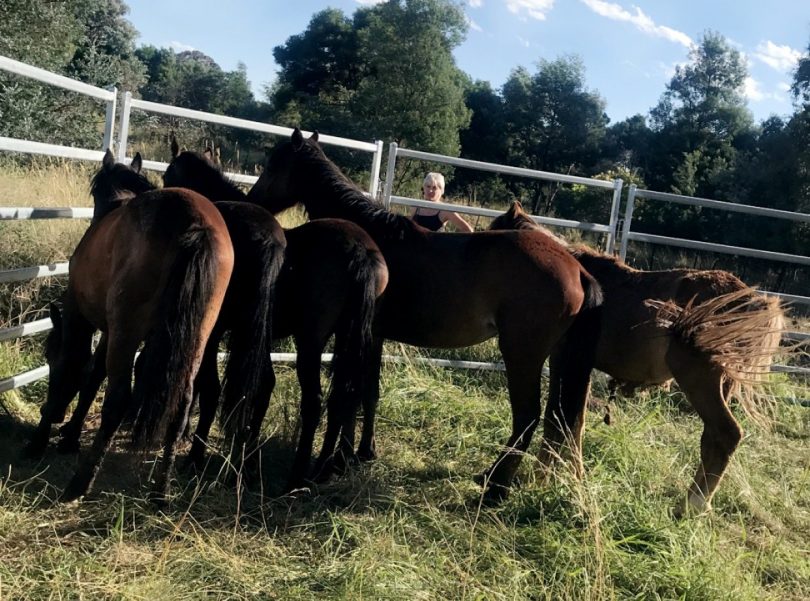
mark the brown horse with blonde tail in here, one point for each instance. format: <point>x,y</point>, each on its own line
<point>706,329</point>
<point>455,290</point>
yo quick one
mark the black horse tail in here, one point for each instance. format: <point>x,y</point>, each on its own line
<point>249,378</point>
<point>353,337</point>
<point>170,349</point>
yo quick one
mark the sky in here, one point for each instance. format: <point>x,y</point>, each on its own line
<point>630,49</point>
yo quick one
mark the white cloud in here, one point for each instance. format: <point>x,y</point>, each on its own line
<point>475,3</point>
<point>536,9</point>
<point>640,20</point>
<point>368,2</point>
<point>784,86</point>
<point>752,91</point>
<point>473,25</point>
<point>523,42</point>
<point>180,46</point>
<point>781,58</point>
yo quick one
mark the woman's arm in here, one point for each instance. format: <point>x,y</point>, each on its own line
<point>457,220</point>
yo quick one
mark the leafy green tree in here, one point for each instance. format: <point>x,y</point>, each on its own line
<point>89,40</point>
<point>552,123</point>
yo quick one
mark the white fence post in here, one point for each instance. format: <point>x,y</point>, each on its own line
<point>389,174</point>
<point>123,129</point>
<point>376,161</point>
<point>109,121</point>
<point>628,217</point>
<point>614,215</point>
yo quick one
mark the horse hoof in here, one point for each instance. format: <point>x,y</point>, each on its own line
<point>68,446</point>
<point>73,492</point>
<point>34,450</point>
<point>495,495</point>
<point>364,455</point>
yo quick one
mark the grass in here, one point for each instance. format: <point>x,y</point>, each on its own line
<point>410,525</point>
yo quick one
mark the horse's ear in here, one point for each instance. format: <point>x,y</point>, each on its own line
<point>297,139</point>
<point>518,206</point>
<point>137,163</point>
<point>109,160</point>
<point>314,136</point>
<point>218,156</point>
<point>56,316</point>
<point>208,155</point>
<point>174,145</point>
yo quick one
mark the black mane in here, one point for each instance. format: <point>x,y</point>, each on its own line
<point>329,193</point>
<point>191,170</point>
<point>109,186</point>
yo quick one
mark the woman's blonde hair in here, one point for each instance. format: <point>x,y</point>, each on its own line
<point>434,178</point>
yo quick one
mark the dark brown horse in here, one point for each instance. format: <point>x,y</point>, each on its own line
<point>455,290</point>
<point>716,338</point>
<point>332,277</point>
<point>246,314</point>
<point>153,270</point>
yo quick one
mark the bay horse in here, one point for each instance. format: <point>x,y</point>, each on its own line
<point>458,289</point>
<point>246,313</point>
<point>153,270</point>
<point>705,328</point>
<point>333,275</point>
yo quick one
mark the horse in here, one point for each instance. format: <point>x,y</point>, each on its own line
<point>457,289</point>
<point>332,277</point>
<point>153,270</point>
<point>705,328</point>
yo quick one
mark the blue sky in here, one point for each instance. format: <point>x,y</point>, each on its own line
<point>630,49</point>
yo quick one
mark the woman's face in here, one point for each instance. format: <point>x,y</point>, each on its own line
<point>431,191</point>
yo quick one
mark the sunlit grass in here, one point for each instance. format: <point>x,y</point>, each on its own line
<point>411,524</point>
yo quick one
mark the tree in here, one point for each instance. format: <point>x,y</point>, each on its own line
<point>552,122</point>
<point>89,40</point>
<point>701,120</point>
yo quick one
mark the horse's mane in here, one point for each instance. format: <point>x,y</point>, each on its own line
<point>208,178</point>
<point>111,186</point>
<point>343,196</point>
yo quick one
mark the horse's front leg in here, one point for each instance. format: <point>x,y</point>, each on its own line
<point>120,356</point>
<point>69,433</point>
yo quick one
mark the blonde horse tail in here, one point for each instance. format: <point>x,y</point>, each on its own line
<point>739,332</point>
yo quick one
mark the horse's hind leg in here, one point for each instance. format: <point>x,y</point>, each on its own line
<point>206,389</point>
<point>367,450</point>
<point>702,383</point>
<point>308,368</point>
<point>524,367</point>
<point>69,433</point>
<point>120,354</point>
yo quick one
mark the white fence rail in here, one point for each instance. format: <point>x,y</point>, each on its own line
<point>394,151</point>
<point>627,234</point>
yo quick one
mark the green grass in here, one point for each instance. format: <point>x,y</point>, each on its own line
<point>411,524</point>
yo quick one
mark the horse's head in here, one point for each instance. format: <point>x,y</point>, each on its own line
<point>67,366</point>
<point>275,190</point>
<point>200,172</point>
<point>515,218</point>
<point>116,182</point>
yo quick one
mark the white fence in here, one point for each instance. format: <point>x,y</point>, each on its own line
<point>610,229</point>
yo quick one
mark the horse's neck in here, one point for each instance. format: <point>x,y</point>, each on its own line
<point>334,196</point>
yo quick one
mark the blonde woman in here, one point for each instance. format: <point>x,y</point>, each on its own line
<point>433,189</point>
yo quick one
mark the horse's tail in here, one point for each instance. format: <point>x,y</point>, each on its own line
<point>249,364</point>
<point>740,332</point>
<point>171,348</point>
<point>353,337</point>
<point>594,297</point>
